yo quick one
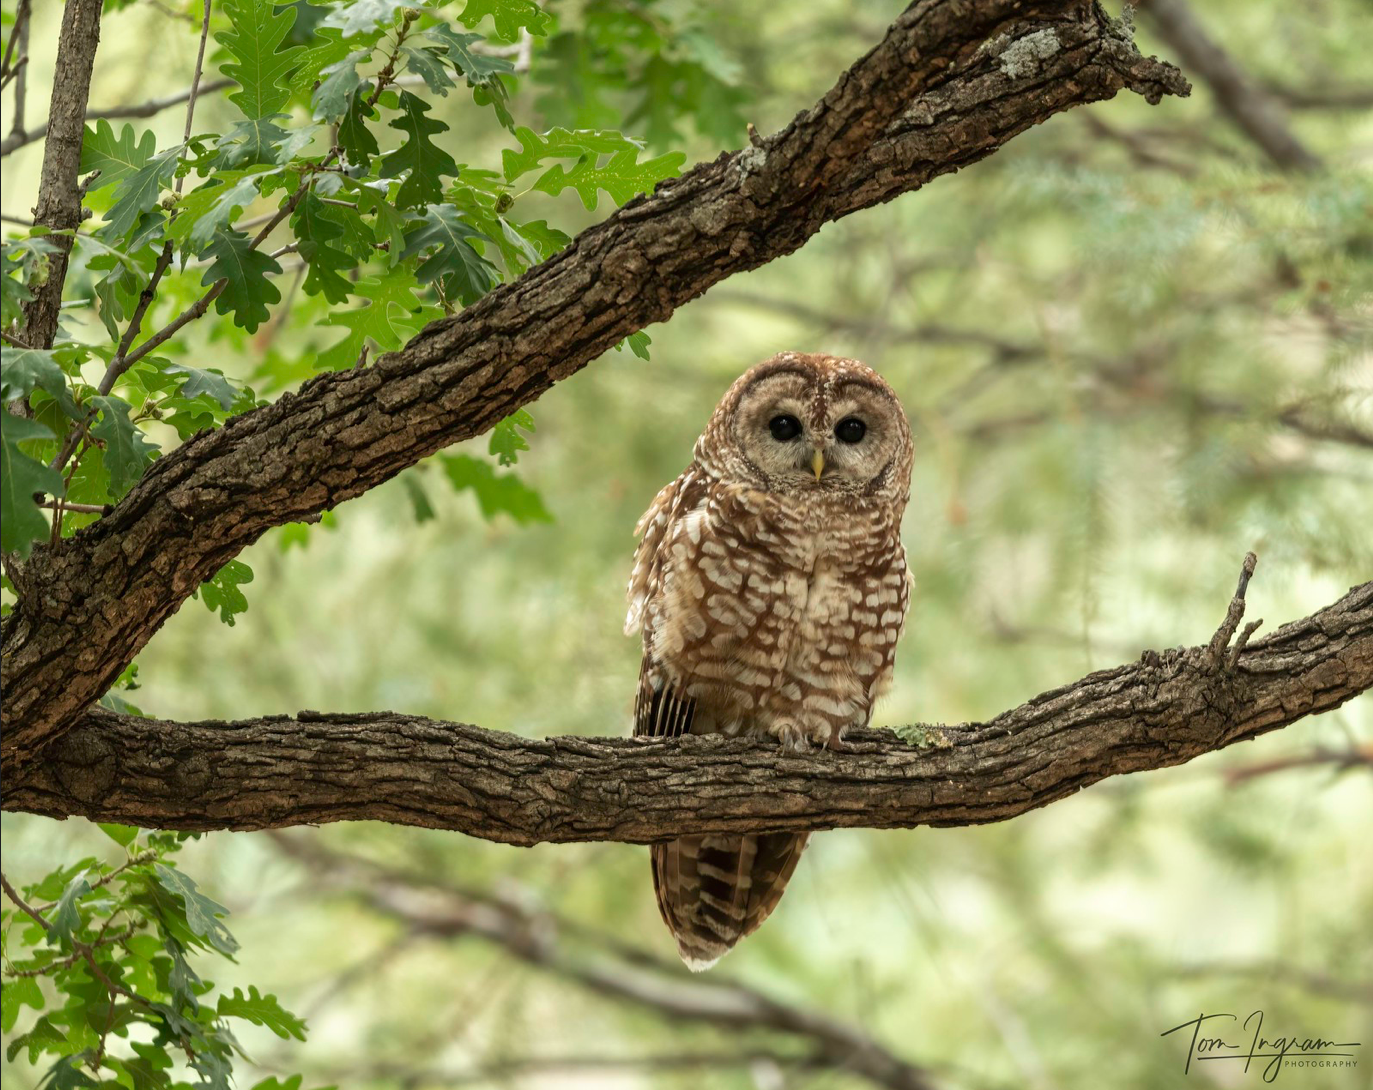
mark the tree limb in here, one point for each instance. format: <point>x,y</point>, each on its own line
<point>945,88</point>
<point>59,197</point>
<point>1163,710</point>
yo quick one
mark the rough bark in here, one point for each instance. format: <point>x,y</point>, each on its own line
<point>59,197</point>
<point>1242,100</point>
<point>951,82</point>
<point>1163,710</point>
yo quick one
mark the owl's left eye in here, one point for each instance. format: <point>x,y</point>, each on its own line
<point>784,428</point>
<point>850,430</point>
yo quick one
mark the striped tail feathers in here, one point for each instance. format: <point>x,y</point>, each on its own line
<point>714,890</point>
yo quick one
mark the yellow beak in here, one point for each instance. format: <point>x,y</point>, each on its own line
<point>817,463</point>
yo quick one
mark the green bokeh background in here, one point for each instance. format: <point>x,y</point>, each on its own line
<point>1096,356</point>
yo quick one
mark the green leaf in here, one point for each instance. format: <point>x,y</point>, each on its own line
<point>210,383</point>
<point>123,835</point>
<point>315,229</point>
<point>247,293</point>
<point>509,16</point>
<point>391,222</point>
<point>425,161</point>
<point>66,918</point>
<point>22,370</point>
<point>495,493</point>
<point>21,524</point>
<point>127,450</point>
<point>213,207</point>
<point>21,992</point>
<point>261,140</point>
<point>260,64</point>
<point>331,98</point>
<point>419,498</point>
<point>262,1010</point>
<point>481,71</point>
<point>506,440</point>
<point>360,16</point>
<point>622,175</point>
<point>221,594</point>
<point>637,343</point>
<point>393,315</point>
<point>116,157</point>
<point>354,136</point>
<point>139,191</point>
<point>202,913</point>
<point>444,238</point>
<point>426,64</point>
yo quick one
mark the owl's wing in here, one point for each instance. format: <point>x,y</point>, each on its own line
<point>668,505</point>
<point>659,711</point>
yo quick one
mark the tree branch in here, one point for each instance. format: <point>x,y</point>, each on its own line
<point>59,197</point>
<point>948,85</point>
<point>150,108</point>
<point>278,771</point>
<point>1243,101</point>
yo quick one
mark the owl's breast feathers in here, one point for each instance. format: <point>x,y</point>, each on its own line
<point>767,614</point>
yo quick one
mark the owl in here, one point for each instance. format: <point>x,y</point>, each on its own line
<point>770,587</point>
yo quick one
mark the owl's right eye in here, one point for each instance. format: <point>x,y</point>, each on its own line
<point>784,428</point>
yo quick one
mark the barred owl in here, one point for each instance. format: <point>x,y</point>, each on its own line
<point>771,588</point>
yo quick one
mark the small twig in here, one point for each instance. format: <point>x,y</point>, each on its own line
<point>81,948</point>
<point>22,18</point>
<point>10,338</point>
<point>1221,640</point>
<point>1342,760</point>
<point>78,508</point>
<point>121,361</point>
<point>195,85</point>
<point>19,66</point>
<point>150,108</point>
<point>68,962</point>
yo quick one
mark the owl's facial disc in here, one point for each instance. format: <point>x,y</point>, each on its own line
<point>805,436</point>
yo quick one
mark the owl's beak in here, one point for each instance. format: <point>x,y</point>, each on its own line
<point>817,463</point>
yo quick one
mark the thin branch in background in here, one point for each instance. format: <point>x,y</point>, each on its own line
<point>1136,144</point>
<point>1242,100</point>
<point>1353,97</point>
<point>23,16</point>
<point>1340,760</point>
<point>150,108</point>
<point>195,85</point>
<point>538,937</point>
<point>1279,972</point>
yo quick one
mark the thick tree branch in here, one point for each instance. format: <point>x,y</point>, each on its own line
<point>951,82</point>
<point>59,196</point>
<point>264,773</point>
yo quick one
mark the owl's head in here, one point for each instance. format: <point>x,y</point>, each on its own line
<point>804,424</point>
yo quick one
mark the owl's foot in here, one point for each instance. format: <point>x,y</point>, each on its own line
<point>792,737</point>
<point>837,744</point>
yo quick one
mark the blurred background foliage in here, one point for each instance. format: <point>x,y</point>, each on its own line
<point>1131,348</point>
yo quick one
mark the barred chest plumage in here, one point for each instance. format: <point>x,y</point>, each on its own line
<point>780,617</point>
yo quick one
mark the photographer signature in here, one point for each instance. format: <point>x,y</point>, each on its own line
<point>1277,1051</point>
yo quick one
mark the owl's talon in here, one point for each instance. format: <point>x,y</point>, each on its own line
<point>837,744</point>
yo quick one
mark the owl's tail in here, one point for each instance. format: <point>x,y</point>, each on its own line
<point>714,890</point>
